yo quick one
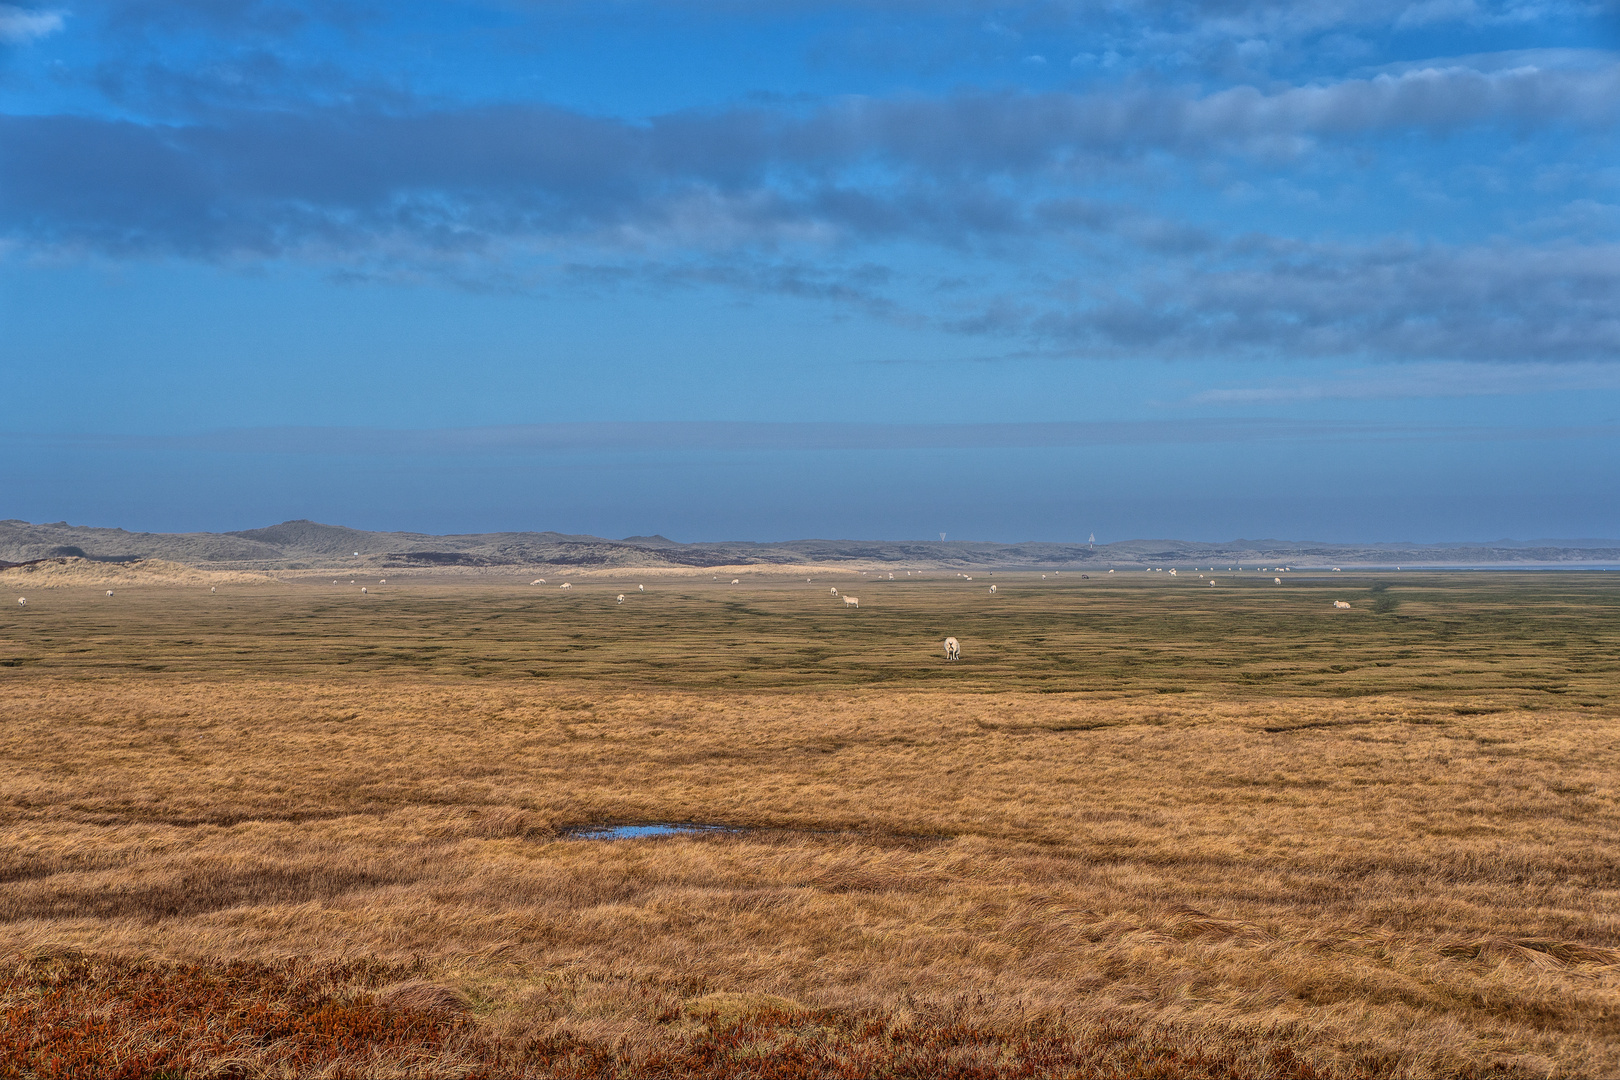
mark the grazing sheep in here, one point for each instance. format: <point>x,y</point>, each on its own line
<point>641,588</point>
<point>1340,604</point>
<point>1278,580</point>
<point>852,601</point>
<point>621,598</point>
<point>953,649</point>
<point>992,590</point>
<point>362,590</point>
<point>109,592</point>
<point>964,575</point>
<point>538,581</point>
<point>734,581</point>
<point>565,585</point>
<point>835,590</point>
<point>382,581</point>
<point>211,588</point>
<point>22,601</point>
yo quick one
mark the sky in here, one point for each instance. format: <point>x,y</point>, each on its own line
<point>876,269</point>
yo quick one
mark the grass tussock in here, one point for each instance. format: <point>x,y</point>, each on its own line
<point>365,870</point>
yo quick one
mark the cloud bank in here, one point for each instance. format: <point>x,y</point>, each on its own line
<point>1135,215</point>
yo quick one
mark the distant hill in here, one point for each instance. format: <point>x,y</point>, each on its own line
<point>310,544</point>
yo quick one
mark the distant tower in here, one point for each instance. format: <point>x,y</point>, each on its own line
<point>1092,539</point>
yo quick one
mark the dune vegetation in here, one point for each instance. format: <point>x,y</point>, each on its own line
<point>1145,827</point>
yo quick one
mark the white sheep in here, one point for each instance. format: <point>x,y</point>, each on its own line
<point>538,581</point>
<point>735,581</point>
<point>565,585</point>
<point>852,601</point>
<point>835,590</point>
<point>953,649</point>
<point>362,590</point>
<point>1340,604</point>
<point>22,601</point>
<point>621,598</point>
<point>212,589</point>
<point>1278,580</point>
<point>641,588</point>
<point>109,592</point>
<point>992,590</point>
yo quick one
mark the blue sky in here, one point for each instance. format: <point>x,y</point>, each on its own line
<point>1342,271</point>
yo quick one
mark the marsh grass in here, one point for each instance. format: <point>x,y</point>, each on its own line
<point>1409,866</point>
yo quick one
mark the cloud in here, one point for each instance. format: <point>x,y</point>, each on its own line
<point>21,25</point>
<point>271,182</point>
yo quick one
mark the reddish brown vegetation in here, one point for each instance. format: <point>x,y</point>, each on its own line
<point>76,1015</point>
<point>72,1014</point>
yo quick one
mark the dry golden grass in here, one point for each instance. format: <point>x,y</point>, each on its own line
<point>1243,878</point>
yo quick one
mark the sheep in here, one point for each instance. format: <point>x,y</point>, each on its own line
<point>22,601</point>
<point>109,592</point>
<point>538,581</point>
<point>1278,580</point>
<point>641,588</point>
<point>953,649</point>
<point>968,578</point>
<point>565,585</point>
<point>835,590</point>
<point>362,590</point>
<point>852,601</point>
<point>735,581</point>
<point>1340,604</point>
<point>382,581</point>
<point>621,598</point>
<point>212,589</point>
<point>992,590</point>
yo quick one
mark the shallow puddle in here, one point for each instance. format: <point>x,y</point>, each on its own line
<point>637,832</point>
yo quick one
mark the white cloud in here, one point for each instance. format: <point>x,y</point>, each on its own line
<point>20,25</point>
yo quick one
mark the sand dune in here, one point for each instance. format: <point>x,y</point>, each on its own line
<point>71,570</point>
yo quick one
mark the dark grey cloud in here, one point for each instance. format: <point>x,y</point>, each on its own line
<point>1272,298</point>
<point>262,182</point>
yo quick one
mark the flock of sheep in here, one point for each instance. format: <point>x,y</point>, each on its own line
<point>953,648</point>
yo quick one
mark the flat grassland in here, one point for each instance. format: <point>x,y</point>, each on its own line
<point>1144,827</point>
